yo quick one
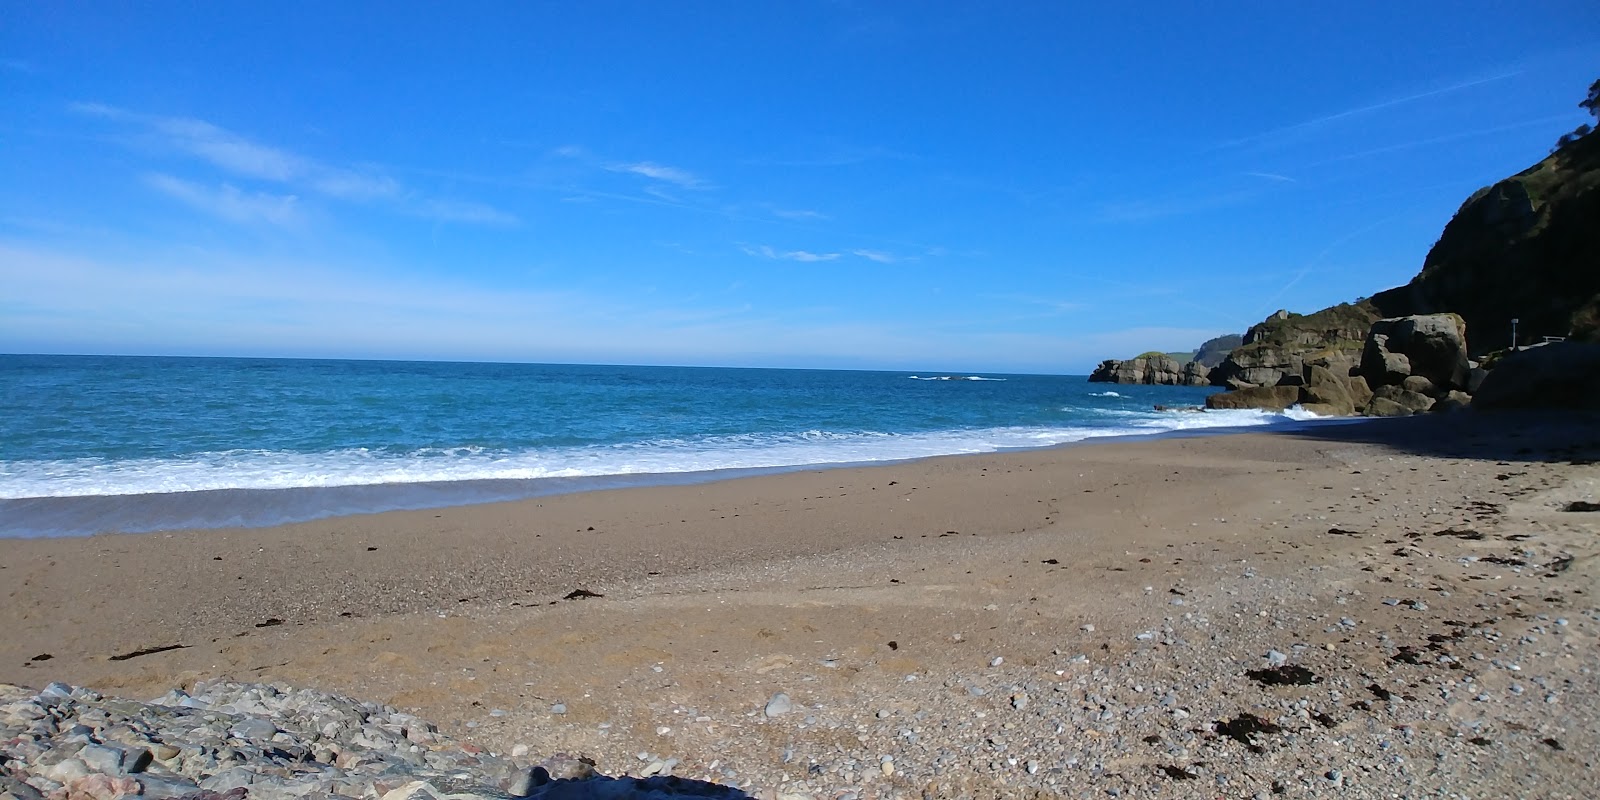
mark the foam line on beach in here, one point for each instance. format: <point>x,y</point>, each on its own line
<point>263,469</point>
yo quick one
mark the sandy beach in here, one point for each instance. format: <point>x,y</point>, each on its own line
<point>1046,623</point>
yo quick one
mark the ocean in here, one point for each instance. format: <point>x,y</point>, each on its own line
<point>93,444</point>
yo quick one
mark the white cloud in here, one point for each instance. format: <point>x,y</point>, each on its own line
<point>349,185</point>
<point>802,255</point>
<point>241,157</point>
<point>877,255</point>
<point>660,172</point>
<point>230,151</point>
<point>766,251</point>
<point>798,214</point>
<point>230,203</point>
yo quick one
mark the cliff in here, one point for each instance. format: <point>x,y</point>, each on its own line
<point>1526,248</point>
<point>1213,351</point>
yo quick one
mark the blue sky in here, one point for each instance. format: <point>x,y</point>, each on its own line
<point>1031,187</point>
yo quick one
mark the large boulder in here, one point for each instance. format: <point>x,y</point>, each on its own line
<point>1394,401</point>
<point>1195,374</point>
<point>1271,398</point>
<point>1557,375</point>
<point>1432,346</point>
<point>1329,393</point>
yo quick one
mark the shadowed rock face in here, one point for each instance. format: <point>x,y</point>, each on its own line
<point>1526,248</point>
<point>1560,375</point>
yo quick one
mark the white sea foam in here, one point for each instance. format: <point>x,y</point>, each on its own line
<point>953,378</point>
<point>1104,394</point>
<point>260,469</point>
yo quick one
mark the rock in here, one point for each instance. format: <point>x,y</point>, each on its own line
<point>1557,375</point>
<point>254,728</point>
<point>1155,369</point>
<point>99,758</point>
<point>1475,379</point>
<point>1324,389</point>
<point>1433,346</point>
<point>17,790</point>
<point>1454,400</point>
<point>1272,398</point>
<point>100,787</point>
<point>415,790</point>
<point>778,705</point>
<point>1418,383</point>
<point>1280,346</point>
<point>159,787</point>
<point>1393,401</point>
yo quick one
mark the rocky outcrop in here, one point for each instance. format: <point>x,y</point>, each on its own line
<point>1278,349</point>
<point>1319,389</point>
<point>1524,248</point>
<point>1156,369</point>
<point>1557,375</point>
<point>1426,355</point>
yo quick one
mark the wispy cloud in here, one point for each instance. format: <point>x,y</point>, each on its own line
<point>242,157</point>
<point>1337,116</point>
<point>765,251</point>
<point>1449,137</point>
<point>879,256</point>
<point>17,65</point>
<point>231,203</point>
<point>1271,176</point>
<point>661,172</point>
<point>797,214</point>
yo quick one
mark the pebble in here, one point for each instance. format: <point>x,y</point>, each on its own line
<point>778,705</point>
<point>226,741</point>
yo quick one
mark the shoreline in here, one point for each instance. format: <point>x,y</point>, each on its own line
<point>74,516</point>
<point>999,625</point>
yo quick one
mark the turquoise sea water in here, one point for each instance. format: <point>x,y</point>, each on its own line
<point>91,443</point>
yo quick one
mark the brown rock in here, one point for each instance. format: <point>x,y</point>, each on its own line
<point>1272,398</point>
<point>1412,402</point>
<point>1418,383</point>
